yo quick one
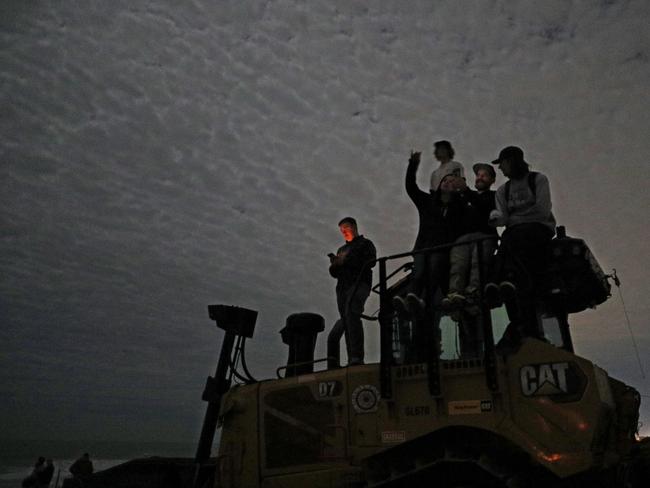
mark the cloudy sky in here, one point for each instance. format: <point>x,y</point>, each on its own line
<point>157,157</point>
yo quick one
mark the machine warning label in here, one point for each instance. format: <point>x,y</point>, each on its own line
<point>365,399</point>
<point>469,407</point>
<point>415,411</point>
<point>392,436</point>
<point>411,371</point>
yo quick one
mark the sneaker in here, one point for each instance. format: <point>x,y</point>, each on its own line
<point>471,294</point>
<point>508,291</point>
<point>471,291</point>
<point>453,301</point>
<point>415,305</point>
<point>492,295</point>
<point>399,305</point>
<point>457,300</point>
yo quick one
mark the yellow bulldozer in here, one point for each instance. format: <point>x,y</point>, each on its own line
<point>432,412</point>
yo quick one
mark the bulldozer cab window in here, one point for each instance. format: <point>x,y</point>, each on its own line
<point>551,329</point>
<point>463,339</point>
<point>500,322</point>
<point>450,343</point>
<point>551,325</point>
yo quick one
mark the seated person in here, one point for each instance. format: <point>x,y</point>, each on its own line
<point>440,223</point>
<point>523,206</point>
<point>464,272</point>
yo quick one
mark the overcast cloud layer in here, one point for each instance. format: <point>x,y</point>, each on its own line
<point>157,157</point>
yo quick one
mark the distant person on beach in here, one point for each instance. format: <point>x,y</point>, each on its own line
<point>45,475</point>
<point>32,480</point>
<point>444,152</point>
<point>82,468</point>
<point>354,280</point>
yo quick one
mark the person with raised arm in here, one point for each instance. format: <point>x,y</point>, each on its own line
<point>440,222</point>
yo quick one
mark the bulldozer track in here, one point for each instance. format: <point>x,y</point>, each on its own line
<point>457,458</point>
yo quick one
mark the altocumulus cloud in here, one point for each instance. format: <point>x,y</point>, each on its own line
<point>157,158</point>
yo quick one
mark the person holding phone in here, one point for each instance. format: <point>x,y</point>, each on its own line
<point>352,267</point>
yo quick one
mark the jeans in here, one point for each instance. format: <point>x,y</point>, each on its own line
<point>350,302</point>
<point>429,271</point>
<point>523,260</point>
<point>464,270</point>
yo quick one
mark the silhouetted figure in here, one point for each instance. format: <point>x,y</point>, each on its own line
<point>464,272</point>
<point>444,152</point>
<point>464,275</point>
<point>523,206</point>
<point>82,469</point>
<point>45,476</point>
<point>354,280</point>
<point>441,218</point>
<point>31,481</point>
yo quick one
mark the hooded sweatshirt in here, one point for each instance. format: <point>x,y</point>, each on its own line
<point>522,206</point>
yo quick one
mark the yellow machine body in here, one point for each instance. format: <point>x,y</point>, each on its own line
<point>315,430</point>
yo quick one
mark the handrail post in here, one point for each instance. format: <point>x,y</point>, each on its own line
<point>385,334</point>
<point>489,354</point>
<point>430,325</point>
<point>567,341</point>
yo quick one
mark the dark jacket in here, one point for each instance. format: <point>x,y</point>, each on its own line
<point>45,476</point>
<point>478,212</point>
<point>82,468</point>
<point>439,223</point>
<point>354,255</point>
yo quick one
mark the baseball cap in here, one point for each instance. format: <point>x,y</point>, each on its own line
<point>484,166</point>
<point>511,152</point>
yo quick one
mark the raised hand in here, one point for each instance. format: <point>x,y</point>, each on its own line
<point>415,157</point>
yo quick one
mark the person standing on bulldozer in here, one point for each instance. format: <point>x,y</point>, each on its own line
<point>444,153</point>
<point>523,206</point>
<point>352,267</point>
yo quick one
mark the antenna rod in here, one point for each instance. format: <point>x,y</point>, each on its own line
<point>617,282</point>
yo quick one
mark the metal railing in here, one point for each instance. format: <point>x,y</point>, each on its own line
<point>433,357</point>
